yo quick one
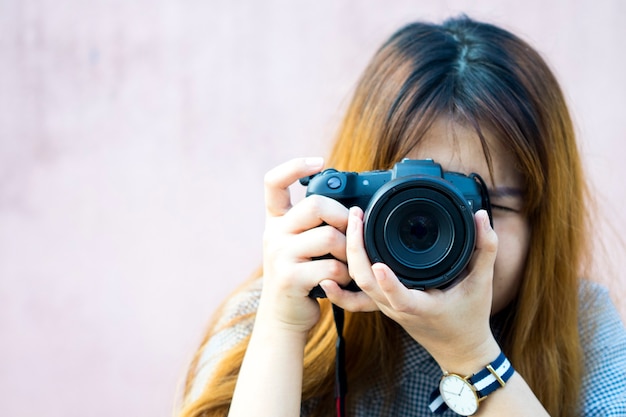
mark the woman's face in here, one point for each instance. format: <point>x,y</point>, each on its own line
<point>458,148</point>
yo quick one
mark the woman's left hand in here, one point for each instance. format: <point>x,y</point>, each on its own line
<point>452,324</point>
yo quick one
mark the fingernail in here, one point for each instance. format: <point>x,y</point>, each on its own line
<point>486,222</point>
<point>356,212</point>
<point>352,218</point>
<point>314,162</point>
<point>351,224</point>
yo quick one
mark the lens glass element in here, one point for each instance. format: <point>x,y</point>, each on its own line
<point>419,231</point>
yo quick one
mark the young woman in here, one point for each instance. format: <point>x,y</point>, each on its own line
<point>475,99</point>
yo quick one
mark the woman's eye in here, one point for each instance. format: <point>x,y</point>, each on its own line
<point>507,199</point>
<point>503,208</point>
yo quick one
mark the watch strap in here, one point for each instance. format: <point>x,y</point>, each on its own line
<point>486,381</point>
<point>492,376</point>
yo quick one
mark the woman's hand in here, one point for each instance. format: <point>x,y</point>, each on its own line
<point>452,324</point>
<point>294,237</point>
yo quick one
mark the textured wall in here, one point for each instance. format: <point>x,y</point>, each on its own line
<point>133,140</point>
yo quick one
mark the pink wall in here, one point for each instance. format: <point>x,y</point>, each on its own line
<point>133,140</point>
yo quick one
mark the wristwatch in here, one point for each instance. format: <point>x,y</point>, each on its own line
<point>463,394</point>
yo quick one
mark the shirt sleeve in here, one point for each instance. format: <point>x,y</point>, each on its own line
<point>603,338</point>
<point>241,306</point>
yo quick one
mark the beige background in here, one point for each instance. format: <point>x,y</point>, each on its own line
<point>133,140</point>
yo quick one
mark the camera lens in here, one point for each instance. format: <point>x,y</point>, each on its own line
<point>422,228</point>
<point>419,231</point>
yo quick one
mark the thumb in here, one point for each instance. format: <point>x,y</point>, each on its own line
<point>486,249</point>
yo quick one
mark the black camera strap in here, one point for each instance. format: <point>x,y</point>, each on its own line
<point>341,382</point>
<point>484,195</point>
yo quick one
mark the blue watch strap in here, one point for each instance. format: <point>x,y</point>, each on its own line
<point>492,377</point>
<point>486,381</point>
<point>436,404</point>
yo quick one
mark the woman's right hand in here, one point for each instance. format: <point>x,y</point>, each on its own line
<point>295,235</point>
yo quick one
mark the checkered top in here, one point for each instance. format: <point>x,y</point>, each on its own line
<point>603,339</point>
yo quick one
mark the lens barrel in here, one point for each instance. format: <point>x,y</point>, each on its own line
<point>421,227</point>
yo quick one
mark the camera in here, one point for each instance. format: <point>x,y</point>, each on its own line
<point>419,219</point>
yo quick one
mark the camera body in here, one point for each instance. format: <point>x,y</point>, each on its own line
<point>419,219</point>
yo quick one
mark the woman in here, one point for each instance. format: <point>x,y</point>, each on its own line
<point>475,99</point>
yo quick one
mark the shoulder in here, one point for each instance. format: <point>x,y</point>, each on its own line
<point>603,339</point>
<point>232,325</point>
<point>242,303</point>
<point>599,321</point>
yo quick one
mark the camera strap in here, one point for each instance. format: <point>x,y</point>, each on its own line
<point>341,382</point>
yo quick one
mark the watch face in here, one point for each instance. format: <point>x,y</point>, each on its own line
<point>459,395</point>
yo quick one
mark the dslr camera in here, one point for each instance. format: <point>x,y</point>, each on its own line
<point>419,219</point>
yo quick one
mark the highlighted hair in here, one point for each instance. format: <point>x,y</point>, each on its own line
<point>488,79</point>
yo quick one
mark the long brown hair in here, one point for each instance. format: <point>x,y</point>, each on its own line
<point>488,78</point>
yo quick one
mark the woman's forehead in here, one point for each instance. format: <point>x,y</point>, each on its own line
<point>458,147</point>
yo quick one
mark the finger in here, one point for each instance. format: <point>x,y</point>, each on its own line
<point>307,275</point>
<point>398,297</point>
<point>348,300</point>
<point>359,264</point>
<point>328,269</point>
<point>314,211</point>
<point>319,241</point>
<point>278,180</point>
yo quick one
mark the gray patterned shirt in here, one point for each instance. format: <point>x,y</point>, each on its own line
<point>602,334</point>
